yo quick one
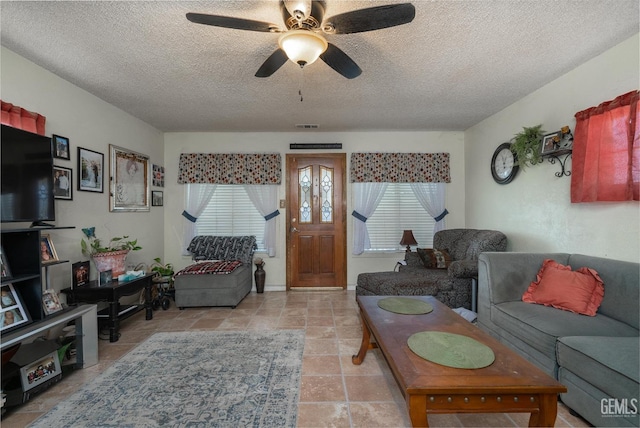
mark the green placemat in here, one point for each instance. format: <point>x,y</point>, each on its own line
<point>452,350</point>
<point>405,305</point>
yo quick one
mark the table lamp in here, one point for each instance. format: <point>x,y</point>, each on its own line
<point>408,240</point>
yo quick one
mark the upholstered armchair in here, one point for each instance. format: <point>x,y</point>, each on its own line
<point>453,282</point>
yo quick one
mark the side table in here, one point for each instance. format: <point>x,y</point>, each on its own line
<point>111,293</point>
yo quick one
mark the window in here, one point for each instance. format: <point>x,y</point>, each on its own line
<point>230,212</point>
<point>399,209</point>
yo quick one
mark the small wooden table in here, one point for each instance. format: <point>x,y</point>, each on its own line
<point>509,385</point>
<point>111,293</point>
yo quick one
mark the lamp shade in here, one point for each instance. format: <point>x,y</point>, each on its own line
<point>408,239</point>
<point>302,46</point>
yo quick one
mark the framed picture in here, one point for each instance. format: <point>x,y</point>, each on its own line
<point>40,371</point>
<point>105,277</point>
<point>130,176</point>
<point>61,149</point>
<point>47,250</point>
<point>51,302</point>
<point>157,198</point>
<point>80,273</point>
<point>62,179</point>
<point>550,142</point>
<point>158,175</point>
<point>90,170</point>
<point>4,266</point>
<point>12,311</point>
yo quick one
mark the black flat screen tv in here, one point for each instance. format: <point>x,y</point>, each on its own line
<point>27,177</point>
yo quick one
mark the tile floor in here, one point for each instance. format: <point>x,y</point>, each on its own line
<point>334,392</point>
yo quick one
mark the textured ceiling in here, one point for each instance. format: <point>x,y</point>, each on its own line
<point>457,63</point>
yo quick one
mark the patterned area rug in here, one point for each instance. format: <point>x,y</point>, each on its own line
<point>195,379</point>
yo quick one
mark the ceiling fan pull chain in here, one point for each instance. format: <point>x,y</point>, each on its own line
<point>301,84</point>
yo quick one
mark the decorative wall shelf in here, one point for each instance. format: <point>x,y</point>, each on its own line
<point>561,157</point>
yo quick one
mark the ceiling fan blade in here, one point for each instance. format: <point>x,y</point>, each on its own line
<point>235,23</point>
<point>373,18</point>
<point>340,62</point>
<point>272,64</point>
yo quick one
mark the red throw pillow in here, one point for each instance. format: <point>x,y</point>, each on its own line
<point>556,285</point>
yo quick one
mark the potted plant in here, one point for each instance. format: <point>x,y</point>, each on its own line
<point>109,256</point>
<point>164,272</point>
<point>526,145</point>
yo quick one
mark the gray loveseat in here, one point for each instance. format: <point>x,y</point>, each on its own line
<point>222,283</point>
<point>453,285</point>
<point>596,358</point>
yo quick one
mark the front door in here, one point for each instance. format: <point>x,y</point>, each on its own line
<point>316,220</point>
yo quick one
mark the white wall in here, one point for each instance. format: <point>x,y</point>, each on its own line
<point>93,124</point>
<point>176,143</point>
<point>534,210</point>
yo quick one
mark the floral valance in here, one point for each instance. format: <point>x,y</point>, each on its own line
<point>230,168</point>
<point>400,168</point>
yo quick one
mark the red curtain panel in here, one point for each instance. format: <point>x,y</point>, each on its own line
<point>606,152</point>
<point>20,118</point>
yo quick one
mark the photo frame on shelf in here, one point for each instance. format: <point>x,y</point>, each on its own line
<point>12,309</point>
<point>105,277</point>
<point>62,179</point>
<point>47,250</point>
<point>157,198</point>
<point>90,170</point>
<point>158,175</point>
<point>40,371</point>
<point>550,141</point>
<point>4,266</point>
<point>80,273</point>
<point>130,178</point>
<point>61,148</point>
<point>51,302</point>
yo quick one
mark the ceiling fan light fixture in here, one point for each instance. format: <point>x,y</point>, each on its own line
<point>302,46</point>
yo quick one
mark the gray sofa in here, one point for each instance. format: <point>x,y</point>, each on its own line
<point>216,287</point>
<point>596,358</point>
<point>453,285</point>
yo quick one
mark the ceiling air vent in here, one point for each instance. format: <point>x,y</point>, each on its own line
<point>307,126</point>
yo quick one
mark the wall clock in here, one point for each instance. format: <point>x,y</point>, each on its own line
<point>503,164</point>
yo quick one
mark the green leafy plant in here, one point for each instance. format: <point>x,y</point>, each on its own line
<point>161,269</point>
<point>93,245</point>
<point>527,146</point>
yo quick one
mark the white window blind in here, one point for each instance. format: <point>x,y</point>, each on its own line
<point>399,209</point>
<point>231,213</point>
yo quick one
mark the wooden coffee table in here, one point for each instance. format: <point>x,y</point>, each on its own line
<point>509,385</point>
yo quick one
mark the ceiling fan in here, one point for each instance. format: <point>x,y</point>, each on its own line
<point>302,41</point>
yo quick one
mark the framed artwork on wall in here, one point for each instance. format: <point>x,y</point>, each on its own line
<point>62,179</point>
<point>158,175</point>
<point>61,149</point>
<point>90,170</point>
<point>157,198</point>
<point>130,177</point>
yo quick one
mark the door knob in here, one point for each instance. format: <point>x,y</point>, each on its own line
<point>293,229</point>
